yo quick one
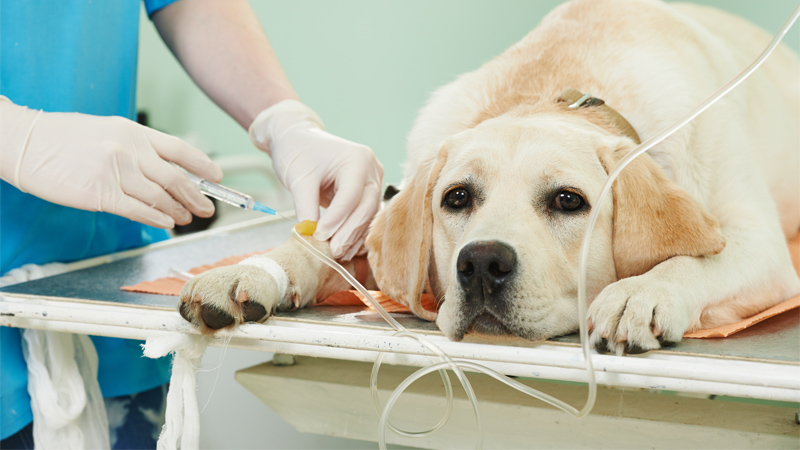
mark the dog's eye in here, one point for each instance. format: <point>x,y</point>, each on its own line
<point>457,198</point>
<point>568,201</point>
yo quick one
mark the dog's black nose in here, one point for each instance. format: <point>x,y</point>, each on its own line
<point>484,267</point>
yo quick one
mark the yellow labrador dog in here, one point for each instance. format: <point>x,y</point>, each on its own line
<point>505,162</point>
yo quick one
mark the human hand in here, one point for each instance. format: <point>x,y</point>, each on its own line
<point>100,163</point>
<point>321,169</point>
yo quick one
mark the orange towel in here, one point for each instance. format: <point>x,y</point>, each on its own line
<point>172,286</point>
<point>794,302</point>
<point>354,298</point>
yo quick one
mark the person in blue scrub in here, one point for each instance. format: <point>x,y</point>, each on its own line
<point>80,178</point>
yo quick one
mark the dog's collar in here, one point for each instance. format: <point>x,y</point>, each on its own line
<point>578,99</point>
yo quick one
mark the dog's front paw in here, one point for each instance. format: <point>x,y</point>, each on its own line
<point>228,296</point>
<point>638,314</point>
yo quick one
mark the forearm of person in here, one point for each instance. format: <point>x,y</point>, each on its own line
<point>223,48</point>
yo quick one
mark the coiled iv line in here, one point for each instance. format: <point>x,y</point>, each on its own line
<point>456,365</point>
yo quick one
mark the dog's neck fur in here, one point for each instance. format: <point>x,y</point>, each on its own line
<point>596,112</point>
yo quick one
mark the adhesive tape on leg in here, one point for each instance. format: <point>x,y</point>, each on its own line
<point>273,268</point>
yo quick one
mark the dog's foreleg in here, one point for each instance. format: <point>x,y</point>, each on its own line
<point>681,294</point>
<point>287,278</point>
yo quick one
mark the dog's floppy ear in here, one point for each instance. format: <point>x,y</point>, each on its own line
<point>654,219</point>
<point>399,241</point>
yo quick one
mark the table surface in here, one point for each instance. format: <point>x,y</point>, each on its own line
<point>774,340</point>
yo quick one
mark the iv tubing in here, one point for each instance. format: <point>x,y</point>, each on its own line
<point>401,331</point>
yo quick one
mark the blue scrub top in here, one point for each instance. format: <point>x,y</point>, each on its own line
<point>69,56</point>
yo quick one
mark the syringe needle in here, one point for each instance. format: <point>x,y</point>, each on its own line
<point>258,206</point>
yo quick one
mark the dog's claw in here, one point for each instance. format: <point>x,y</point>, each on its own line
<point>601,346</point>
<point>633,349</point>
<point>665,342</point>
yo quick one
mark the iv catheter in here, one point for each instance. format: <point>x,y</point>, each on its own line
<point>230,196</point>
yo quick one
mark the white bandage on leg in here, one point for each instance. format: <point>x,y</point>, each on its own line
<point>274,269</point>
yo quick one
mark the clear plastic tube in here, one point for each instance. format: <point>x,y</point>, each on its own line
<point>448,387</point>
<point>401,331</point>
<point>458,364</point>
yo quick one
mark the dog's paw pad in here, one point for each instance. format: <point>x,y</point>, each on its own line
<point>228,296</point>
<point>215,318</point>
<point>186,311</point>
<point>253,312</point>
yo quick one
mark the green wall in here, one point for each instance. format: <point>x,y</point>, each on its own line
<point>367,66</point>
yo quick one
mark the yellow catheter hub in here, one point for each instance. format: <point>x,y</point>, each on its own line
<point>306,227</point>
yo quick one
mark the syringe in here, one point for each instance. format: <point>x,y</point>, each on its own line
<point>230,196</point>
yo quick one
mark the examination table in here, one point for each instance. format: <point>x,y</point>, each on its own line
<point>737,392</point>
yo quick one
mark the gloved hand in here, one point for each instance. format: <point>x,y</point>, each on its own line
<point>321,169</point>
<point>100,163</point>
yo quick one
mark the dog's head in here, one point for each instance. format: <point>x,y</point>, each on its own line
<point>492,225</point>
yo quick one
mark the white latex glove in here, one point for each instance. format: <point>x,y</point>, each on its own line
<point>321,169</point>
<point>100,163</point>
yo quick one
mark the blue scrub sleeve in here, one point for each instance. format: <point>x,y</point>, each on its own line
<point>151,6</point>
